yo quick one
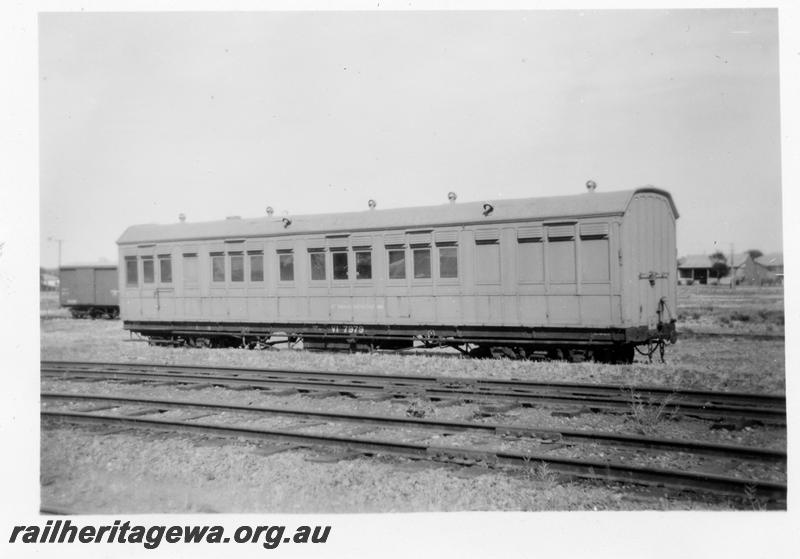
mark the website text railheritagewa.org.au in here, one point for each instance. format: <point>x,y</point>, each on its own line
<point>64,531</point>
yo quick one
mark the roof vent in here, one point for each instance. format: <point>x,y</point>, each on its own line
<point>286,222</point>
<point>452,197</point>
<point>233,217</point>
<point>372,204</point>
<point>270,211</point>
<point>487,209</point>
<point>591,186</point>
<point>182,217</point>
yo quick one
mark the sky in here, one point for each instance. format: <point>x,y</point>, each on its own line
<point>144,116</point>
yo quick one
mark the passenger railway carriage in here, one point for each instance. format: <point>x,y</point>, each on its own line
<point>589,275</point>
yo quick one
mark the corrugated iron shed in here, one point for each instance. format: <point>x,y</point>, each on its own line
<point>695,261</point>
<point>705,261</point>
<point>771,260</point>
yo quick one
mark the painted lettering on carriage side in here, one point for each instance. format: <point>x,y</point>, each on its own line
<point>346,329</point>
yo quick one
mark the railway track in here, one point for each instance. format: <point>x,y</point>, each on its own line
<point>500,445</point>
<point>714,405</point>
<point>688,333</point>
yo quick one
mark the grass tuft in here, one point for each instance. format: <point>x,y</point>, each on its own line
<point>646,416</point>
<point>755,502</point>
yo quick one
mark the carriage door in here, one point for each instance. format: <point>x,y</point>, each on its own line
<point>237,293</point>
<point>653,295</point>
<point>654,260</point>
<point>149,291</point>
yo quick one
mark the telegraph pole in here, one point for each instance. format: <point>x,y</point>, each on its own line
<point>59,241</point>
<point>733,270</point>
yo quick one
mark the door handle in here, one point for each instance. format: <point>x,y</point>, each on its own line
<point>652,276</point>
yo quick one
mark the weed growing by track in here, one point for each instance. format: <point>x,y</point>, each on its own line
<point>648,416</point>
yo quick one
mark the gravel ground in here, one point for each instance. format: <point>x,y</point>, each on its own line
<point>60,488</point>
<point>542,417</point>
<point>740,311</point>
<point>142,471</point>
<point>127,473</point>
<point>701,363</point>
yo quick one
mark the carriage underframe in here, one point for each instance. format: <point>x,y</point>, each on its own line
<point>94,311</point>
<point>613,344</point>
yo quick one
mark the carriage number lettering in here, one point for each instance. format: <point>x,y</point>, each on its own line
<point>347,329</point>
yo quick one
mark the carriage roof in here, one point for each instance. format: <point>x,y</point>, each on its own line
<point>88,265</point>
<point>446,215</point>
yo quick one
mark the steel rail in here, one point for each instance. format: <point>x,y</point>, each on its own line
<point>648,390</point>
<point>684,333</point>
<point>580,468</point>
<point>607,438</point>
<point>605,396</point>
<point>406,388</point>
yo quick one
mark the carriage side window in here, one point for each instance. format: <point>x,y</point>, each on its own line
<point>190,269</point>
<point>363,264</point>
<point>422,263</point>
<point>530,260</point>
<point>237,266</point>
<point>487,261</point>
<point>131,271</point>
<point>148,270</point>
<point>286,265</point>
<point>561,261</point>
<point>256,265</point>
<point>448,261</point>
<point>165,268</point>
<point>595,255</point>
<point>561,253</point>
<point>339,265</point>
<point>217,267</point>
<point>317,260</point>
<point>397,263</point>
<point>595,260</point>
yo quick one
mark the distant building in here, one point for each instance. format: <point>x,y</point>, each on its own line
<point>48,282</point>
<point>749,272</point>
<point>698,268</point>
<point>774,263</point>
<point>695,268</point>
